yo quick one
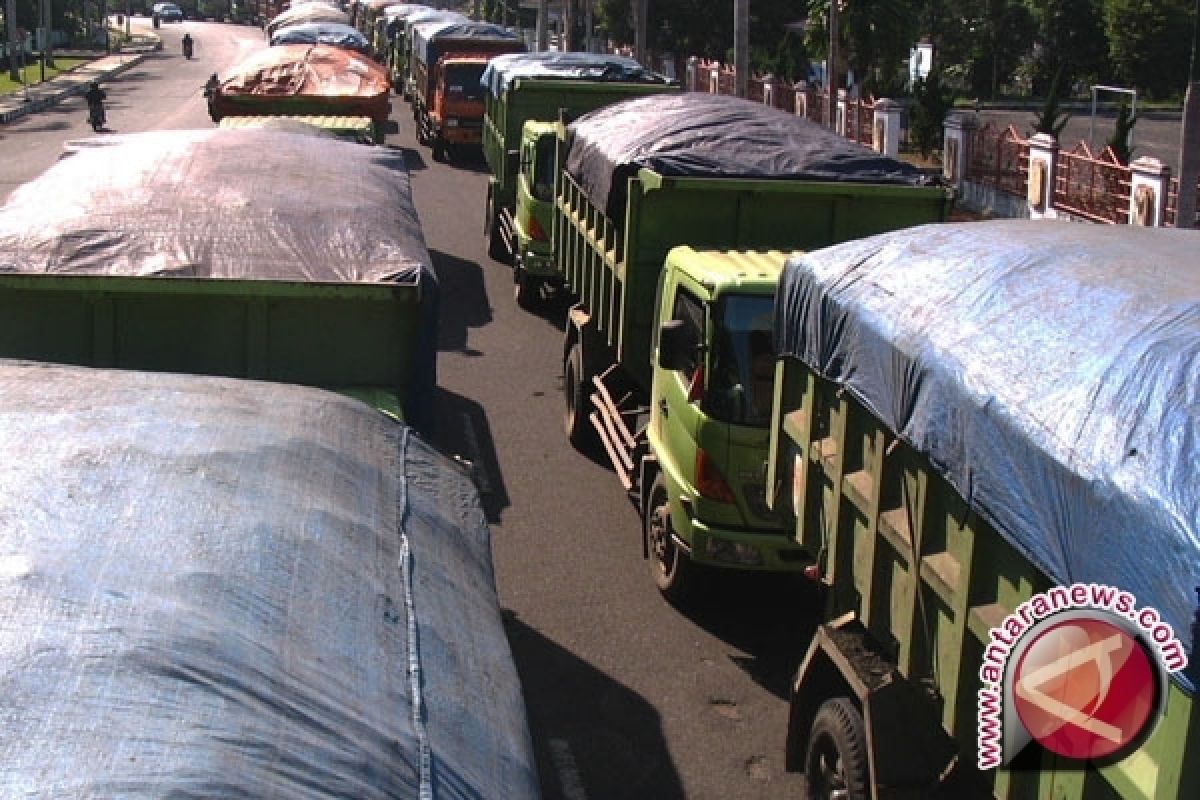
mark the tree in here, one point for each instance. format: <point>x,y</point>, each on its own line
<point>932,102</point>
<point>1138,28</point>
<point>1070,44</point>
<point>1119,141</point>
<point>1052,119</point>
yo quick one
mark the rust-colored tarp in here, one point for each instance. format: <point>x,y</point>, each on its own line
<point>306,79</point>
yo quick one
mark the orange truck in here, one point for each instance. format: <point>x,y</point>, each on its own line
<point>448,60</point>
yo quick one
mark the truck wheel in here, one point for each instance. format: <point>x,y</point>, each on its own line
<point>439,149</point>
<point>497,249</point>
<point>836,764</point>
<point>674,573</point>
<point>579,429</point>
<point>525,290</point>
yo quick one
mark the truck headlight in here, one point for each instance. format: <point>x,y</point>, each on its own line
<point>452,122</point>
<point>733,552</point>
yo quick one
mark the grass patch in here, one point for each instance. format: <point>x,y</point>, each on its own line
<point>33,73</point>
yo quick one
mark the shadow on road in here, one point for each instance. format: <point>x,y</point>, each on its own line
<point>593,737</point>
<point>463,301</point>
<point>463,430</point>
<point>771,618</point>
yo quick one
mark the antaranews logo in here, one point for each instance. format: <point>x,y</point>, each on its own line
<point>1081,670</point>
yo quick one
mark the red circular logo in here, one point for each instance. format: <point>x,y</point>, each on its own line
<point>1084,688</point>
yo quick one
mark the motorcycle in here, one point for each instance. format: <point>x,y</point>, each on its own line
<point>187,48</point>
<point>96,117</point>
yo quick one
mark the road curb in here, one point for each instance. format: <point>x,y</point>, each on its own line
<point>75,84</point>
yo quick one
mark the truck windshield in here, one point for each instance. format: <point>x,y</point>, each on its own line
<point>462,81</point>
<point>743,368</point>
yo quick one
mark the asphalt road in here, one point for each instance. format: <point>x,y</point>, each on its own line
<point>627,696</point>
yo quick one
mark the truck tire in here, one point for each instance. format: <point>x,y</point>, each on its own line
<point>439,148</point>
<point>497,248</point>
<point>674,573</point>
<point>575,380</point>
<point>836,762</point>
<point>525,289</point>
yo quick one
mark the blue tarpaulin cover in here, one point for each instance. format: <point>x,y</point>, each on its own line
<point>331,33</point>
<point>1049,371</point>
<point>230,589</point>
<point>229,204</point>
<point>551,64</point>
<point>693,134</point>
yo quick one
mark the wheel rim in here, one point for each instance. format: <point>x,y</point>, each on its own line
<point>828,772</point>
<point>662,547</point>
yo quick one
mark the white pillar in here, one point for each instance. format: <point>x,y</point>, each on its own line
<point>692,77</point>
<point>957,131</point>
<point>801,92</point>
<point>887,127</point>
<point>769,84</point>
<point>1148,192</point>
<point>1043,153</point>
<point>843,101</point>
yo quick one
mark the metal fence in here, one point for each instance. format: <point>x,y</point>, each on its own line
<point>999,158</point>
<point>1093,187</point>
<point>1173,203</point>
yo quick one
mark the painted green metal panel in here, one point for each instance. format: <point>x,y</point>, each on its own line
<point>336,336</point>
<point>967,577</point>
<point>715,213</point>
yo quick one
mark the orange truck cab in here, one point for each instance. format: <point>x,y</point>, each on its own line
<point>448,60</point>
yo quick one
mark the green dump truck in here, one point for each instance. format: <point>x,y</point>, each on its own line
<point>209,252</point>
<point>530,87</point>
<point>984,437</point>
<point>688,435</point>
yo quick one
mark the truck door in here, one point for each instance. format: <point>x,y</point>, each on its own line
<point>676,394</point>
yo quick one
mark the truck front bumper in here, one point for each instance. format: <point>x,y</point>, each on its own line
<point>768,551</point>
<point>458,134</point>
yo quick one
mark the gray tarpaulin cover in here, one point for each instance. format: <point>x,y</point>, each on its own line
<point>331,33</point>
<point>1050,371</point>
<point>307,12</point>
<point>503,70</point>
<point>247,204</point>
<point>715,136</point>
<point>214,588</point>
<point>427,36</point>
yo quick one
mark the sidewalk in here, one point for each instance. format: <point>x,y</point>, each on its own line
<point>68,84</point>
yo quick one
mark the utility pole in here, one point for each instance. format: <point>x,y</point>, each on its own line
<point>10,22</point>
<point>741,46</point>
<point>543,37</point>
<point>640,21</point>
<point>1189,139</point>
<point>831,74</point>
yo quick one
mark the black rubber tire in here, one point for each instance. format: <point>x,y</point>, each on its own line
<point>439,148</point>
<point>836,761</point>
<point>497,249</point>
<point>578,427</point>
<point>525,290</point>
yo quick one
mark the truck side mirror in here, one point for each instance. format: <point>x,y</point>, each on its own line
<point>676,346</point>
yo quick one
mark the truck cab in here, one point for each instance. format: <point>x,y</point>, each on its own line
<point>533,253</point>
<point>455,109</point>
<point>709,416</point>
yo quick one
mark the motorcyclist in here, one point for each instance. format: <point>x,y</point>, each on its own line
<point>95,100</point>
<point>187,45</point>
